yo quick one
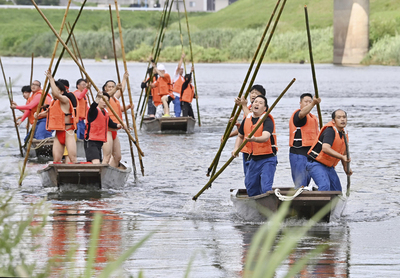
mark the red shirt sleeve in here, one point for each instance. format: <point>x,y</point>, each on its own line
<point>79,95</point>
<point>30,105</point>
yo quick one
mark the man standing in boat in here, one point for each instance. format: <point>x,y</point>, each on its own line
<point>81,96</point>
<point>261,146</point>
<point>96,130</point>
<point>164,85</point>
<point>112,147</point>
<point>30,109</point>
<point>255,91</point>
<point>303,130</point>
<point>187,95</point>
<point>325,153</point>
<point>177,86</point>
<point>61,118</point>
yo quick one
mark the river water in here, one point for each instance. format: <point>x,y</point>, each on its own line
<point>364,243</point>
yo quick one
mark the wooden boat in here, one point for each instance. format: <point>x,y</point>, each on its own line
<point>84,176</point>
<point>170,124</point>
<point>305,205</point>
<point>44,148</point>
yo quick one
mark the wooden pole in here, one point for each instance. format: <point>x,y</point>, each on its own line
<point>66,41</point>
<point>191,57</point>
<point>181,36</point>
<point>244,142</point>
<point>10,98</point>
<point>129,87</point>
<point>44,94</point>
<point>73,42</point>
<point>348,164</point>
<point>148,65</point>
<point>312,67</point>
<point>122,93</point>
<point>214,164</point>
<point>30,83</point>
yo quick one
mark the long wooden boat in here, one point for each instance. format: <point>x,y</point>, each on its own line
<point>305,205</point>
<point>44,148</point>
<point>170,124</point>
<point>68,177</point>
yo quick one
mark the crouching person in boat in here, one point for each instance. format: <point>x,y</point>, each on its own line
<point>262,148</point>
<point>60,117</point>
<point>187,95</point>
<point>96,130</point>
<point>328,149</point>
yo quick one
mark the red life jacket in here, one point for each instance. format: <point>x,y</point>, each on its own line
<point>259,148</point>
<point>188,94</point>
<point>338,145</point>
<point>82,105</point>
<point>31,118</point>
<point>177,87</point>
<point>309,131</point>
<point>155,93</point>
<point>97,130</point>
<point>115,104</point>
<point>57,119</point>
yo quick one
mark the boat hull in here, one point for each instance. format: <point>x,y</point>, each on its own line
<point>84,176</point>
<point>170,124</point>
<point>303,206</point>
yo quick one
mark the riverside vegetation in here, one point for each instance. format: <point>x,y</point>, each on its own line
<point>230,35</point>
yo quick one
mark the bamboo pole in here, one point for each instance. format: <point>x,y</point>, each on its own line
<point>312,67</point>
<point>122,93</point>
<point>155,58</point>
<point>10,98</point>
<point>231,124</point>
<point>44,94</point>
<point>214,164</point>
<point>191,57</point>
<point>181,36</point>
<point>245,141</point>
<point>348,164</point>
<point>148,65</point>
<point>30,83</point>
<point>129,87</point>
<point>78,54</point>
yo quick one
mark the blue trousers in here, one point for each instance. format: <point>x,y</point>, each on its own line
<point>299,173</point>
<point>41,132</point>
<point>325,177</point>
<point>80,133</point>
<point>260,175</point>
<point>177,106</point>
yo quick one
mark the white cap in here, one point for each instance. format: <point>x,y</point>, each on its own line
<point>160,67</point>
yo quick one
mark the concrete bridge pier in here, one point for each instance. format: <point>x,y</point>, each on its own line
<point>350,31</point>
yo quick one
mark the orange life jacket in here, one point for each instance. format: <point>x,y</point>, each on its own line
<point>165,85</point>
<point>309,131</point>
<point>97,130</point>
<point>259,148</point>
<point>155,93</point>
<point>338,145</point>
<point>82,106</point>
<point>31,117</point>
<point>177,87</point>
<point>188,94</point>
<point>115,104</point>
<point>57,119</point>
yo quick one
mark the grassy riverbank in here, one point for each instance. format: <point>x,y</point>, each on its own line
<point>230,35</point>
